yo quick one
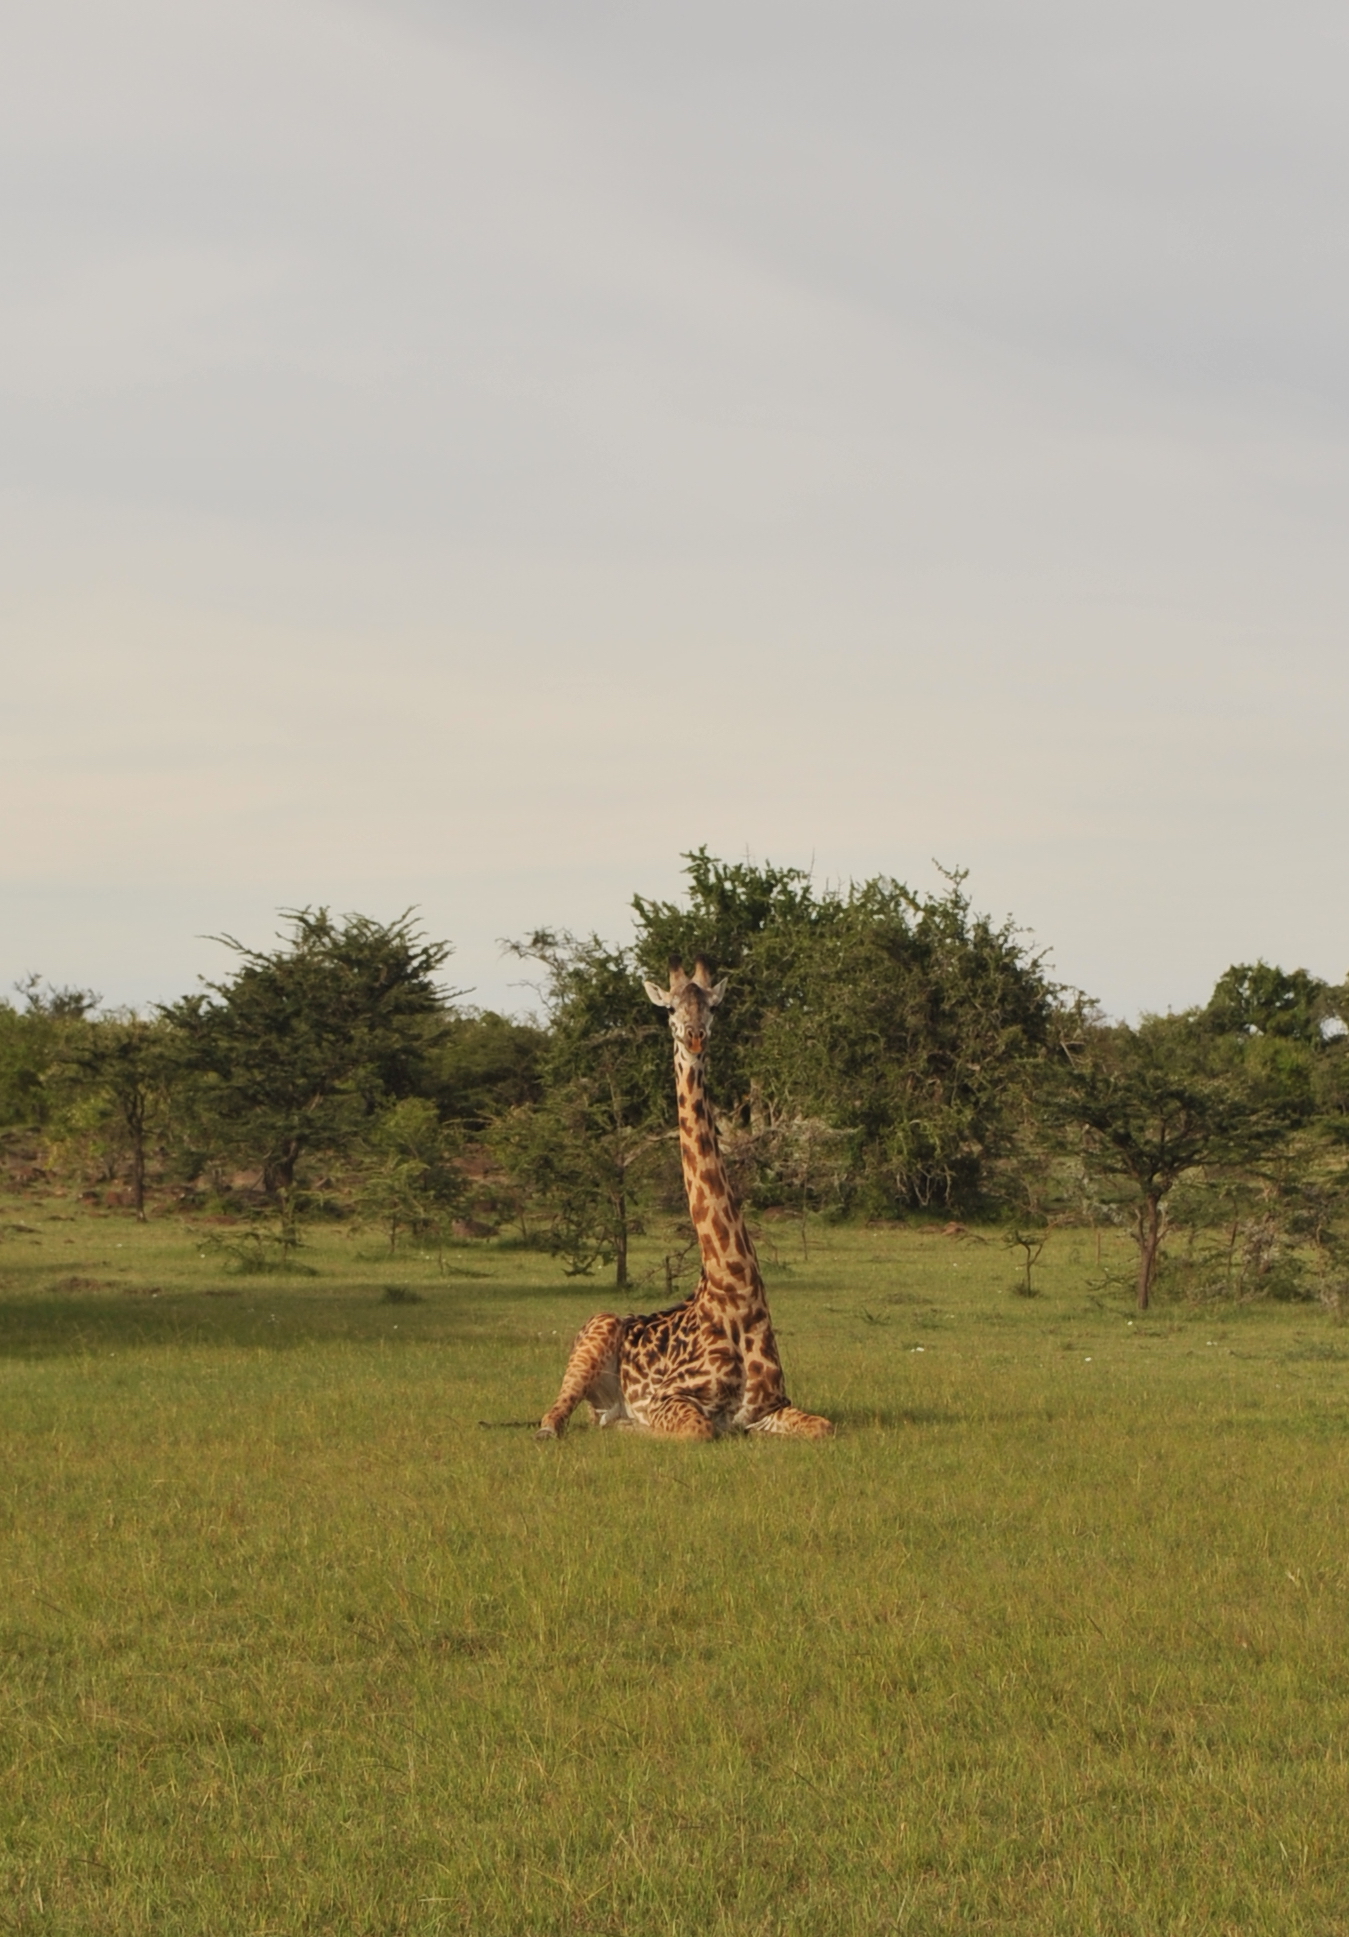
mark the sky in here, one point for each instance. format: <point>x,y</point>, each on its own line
<point>465,456</point>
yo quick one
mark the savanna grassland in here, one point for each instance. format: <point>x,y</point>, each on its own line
<point>302,1633</point>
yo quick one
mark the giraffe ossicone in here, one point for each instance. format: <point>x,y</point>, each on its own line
<point>709,1365</point>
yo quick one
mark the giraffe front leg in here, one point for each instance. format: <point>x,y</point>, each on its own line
<point>791,1423</point>
<point>767,1408</point>
<point>592,1373</point>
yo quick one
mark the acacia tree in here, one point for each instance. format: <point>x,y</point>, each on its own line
<point>586,1149</point>
<point>1286,1227</point>
<point>485,1064</point>
<point>907,1021</point>
<point>124,1064</point>
<point>1167,1098</point>
<point>295,1054</point>
<point>1258,998</point>
<point>579,1161</point>
<point>410,1181</point>
<point>754,923</point>
<point>921,1026</point>
<point>34,1042</point>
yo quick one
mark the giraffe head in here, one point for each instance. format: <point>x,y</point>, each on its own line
<point>690,1000</point>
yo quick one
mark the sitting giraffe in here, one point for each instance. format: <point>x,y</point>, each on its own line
<point>711,1364</point>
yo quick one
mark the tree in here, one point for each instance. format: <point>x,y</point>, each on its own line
<point>32,1042</point>
<point>920,1026</point>
<point>907,1021</point>
<point>296,1053</point>
<point>755,923</point>
<point>588,1146</point>
<point>1258,999</point>
<point>410,1181</point>
<point>583,1167</point>
<point>484,1065</point>
<point>1158,1102</point>
<point>124,1065</point>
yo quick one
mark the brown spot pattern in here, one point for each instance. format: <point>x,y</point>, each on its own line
<point>711,1362</point>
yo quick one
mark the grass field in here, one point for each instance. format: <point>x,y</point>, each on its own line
<point>302,1633</point>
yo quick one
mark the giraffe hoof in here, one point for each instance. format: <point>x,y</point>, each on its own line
<point>544,1434</point>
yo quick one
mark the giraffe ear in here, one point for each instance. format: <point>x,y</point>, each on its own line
<point>714,995</point>
<point>660,996</point>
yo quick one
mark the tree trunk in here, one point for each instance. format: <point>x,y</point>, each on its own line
<point>289,1216</point>
<point>1150,1222</point>
<point>138,1170</point>
<point>133,1115</point>
<point>620,1148</point>
<point>278,1181</point>
<point>138,1177</point>
<point>621,1239</point>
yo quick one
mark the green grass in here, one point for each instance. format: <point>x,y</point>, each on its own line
<point>300,1634</point>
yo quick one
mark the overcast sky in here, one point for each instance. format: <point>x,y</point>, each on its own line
<point>468,454</point>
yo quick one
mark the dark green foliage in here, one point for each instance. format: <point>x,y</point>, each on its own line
<point>754,925</point>
<point>582,1171</point>
<point>921,1025</point>
<point>1172,1097</point>
<point>876,1049</point>
<point>484,1064</point>
<point>25,1056</point>
<point>879,1049</point>
<point>332,1063</point>
<point>906,1021</point>
<point>119,1073</point>
<point>1330,1082</point>
<point>1269,1219</point>
<point>588,1150</point>
<point>32,1042</point>
<point>411,1182</point>
<point>296,1054</point>
<point>602,1028</point>
<point>1255,998</point>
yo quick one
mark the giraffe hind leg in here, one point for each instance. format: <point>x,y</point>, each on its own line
<point>678,1419</point>
<point>592,1373</point>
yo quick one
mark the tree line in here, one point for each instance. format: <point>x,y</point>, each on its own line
<point>882,1053</point>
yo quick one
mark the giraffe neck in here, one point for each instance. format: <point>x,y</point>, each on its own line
<point>730,1266</point>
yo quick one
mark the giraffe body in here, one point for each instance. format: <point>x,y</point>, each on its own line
<point>709,1365</point>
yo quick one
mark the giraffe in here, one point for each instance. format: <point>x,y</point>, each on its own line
<point>710,1365</point>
